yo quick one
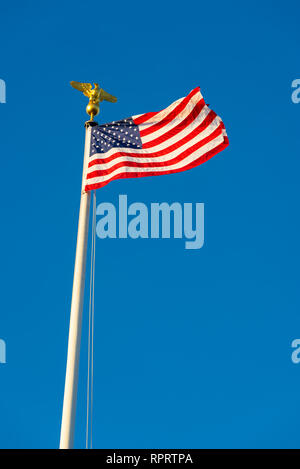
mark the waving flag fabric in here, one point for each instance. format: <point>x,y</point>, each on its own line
<point>180,137</point>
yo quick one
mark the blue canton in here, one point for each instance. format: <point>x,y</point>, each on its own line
<point>123,134</point>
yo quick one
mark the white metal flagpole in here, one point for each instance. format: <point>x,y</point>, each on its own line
<point>70,394</point>
<point>95,95</point>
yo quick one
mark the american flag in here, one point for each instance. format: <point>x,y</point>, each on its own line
<point>184,135</point>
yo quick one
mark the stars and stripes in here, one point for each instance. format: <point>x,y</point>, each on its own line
<point>180,137</point>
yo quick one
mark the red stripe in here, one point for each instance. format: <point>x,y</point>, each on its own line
<point>199,129</point>
<point>193,164</point>
<point>144,117</point>
<point>181,126</point>
<point>177,110</point>
<point>218,131</point>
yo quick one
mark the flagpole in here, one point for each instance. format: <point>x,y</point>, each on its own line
<point>71,381</point>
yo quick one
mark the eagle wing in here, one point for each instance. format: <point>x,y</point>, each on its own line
<point>107,96</point>
<point>84,87</point>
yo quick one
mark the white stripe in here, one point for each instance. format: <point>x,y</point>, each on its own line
<point>157,159</point>
<point>181,164</point>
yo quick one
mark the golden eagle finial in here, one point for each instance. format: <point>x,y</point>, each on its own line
<point>95,95</point>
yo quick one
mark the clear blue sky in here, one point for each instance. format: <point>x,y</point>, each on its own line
<point>192,348</point>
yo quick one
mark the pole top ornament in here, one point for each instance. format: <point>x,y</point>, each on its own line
<point>95,95</point>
